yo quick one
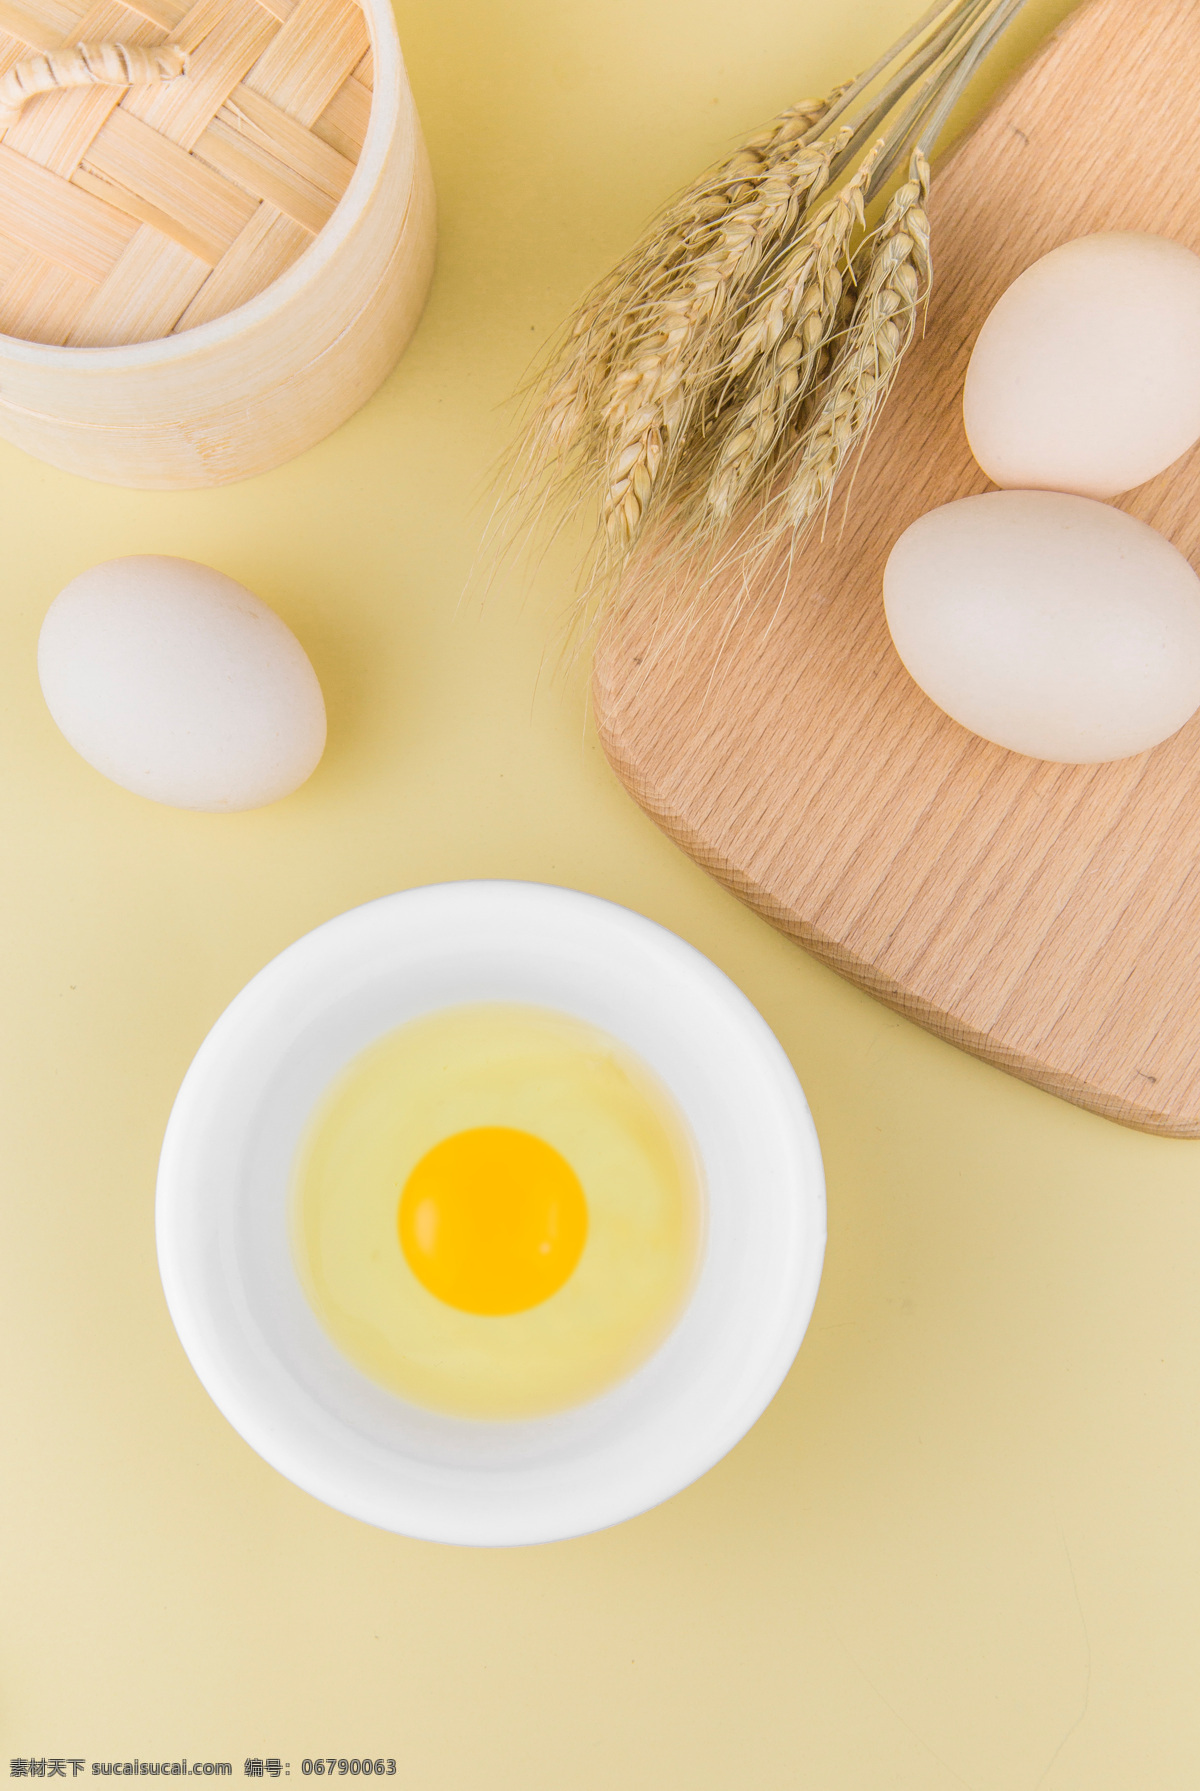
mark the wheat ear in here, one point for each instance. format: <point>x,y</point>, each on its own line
<point>657,394</point>
<point>783,344</point>
<point>595,345</point>
<point>881,328</point>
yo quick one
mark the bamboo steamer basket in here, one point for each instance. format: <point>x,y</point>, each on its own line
<point>216,230</point>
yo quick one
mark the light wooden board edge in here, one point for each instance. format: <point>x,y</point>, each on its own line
<point>859,971</point>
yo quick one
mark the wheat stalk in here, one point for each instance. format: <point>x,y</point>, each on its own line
<point>662,394</point>
<point>711,388</point>
<point>608,315</point>
<point>781,344</point>
<point>882,326</point>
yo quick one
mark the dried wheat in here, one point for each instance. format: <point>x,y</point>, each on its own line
<point>782,344</point>
<point>597,337</point>
<point>718,379</point>
<point>658,393</point>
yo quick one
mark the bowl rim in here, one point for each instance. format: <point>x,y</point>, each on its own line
<point>657,1477</point>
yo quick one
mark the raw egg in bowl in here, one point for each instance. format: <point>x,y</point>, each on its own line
<point>491,1213</point>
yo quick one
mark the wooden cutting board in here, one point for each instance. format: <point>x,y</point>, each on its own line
<point>1045,917</point>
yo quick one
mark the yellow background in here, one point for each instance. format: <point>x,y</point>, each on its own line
<point>962,1547</point>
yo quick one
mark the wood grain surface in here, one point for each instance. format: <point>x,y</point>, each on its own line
<point>1045,917</point>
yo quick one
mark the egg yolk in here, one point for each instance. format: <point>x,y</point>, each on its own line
<point>492,1220</point>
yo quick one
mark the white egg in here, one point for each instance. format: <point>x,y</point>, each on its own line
<point>1086,375</point>
<point>179,684</point>
<point>1050,624</point>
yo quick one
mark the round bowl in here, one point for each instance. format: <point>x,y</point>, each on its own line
<point>224,1245</point>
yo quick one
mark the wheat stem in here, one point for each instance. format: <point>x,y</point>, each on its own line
<point>942,45</point>
<point>853,89</point>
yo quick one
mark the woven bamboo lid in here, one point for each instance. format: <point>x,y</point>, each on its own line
<point>130,212</point>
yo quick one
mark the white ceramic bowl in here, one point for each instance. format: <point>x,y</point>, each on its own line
<point>223,1239</point>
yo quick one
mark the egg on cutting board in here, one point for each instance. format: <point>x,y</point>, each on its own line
<point>177,683</point>
<point>1086,374</point>
<point>1051,624</point>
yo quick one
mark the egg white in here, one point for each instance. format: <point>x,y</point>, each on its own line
<point>564,1081</point>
